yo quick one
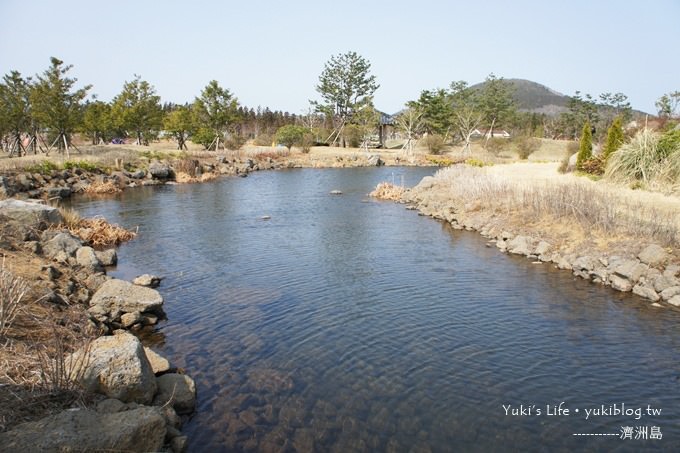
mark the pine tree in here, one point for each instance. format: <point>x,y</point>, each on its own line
<point>614,138</point>
<point>585,151</point>
<point>56,105</point>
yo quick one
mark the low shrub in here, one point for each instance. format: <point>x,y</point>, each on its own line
<point>44,167</point>
<point>477,163</point>
<point>434,143</point>
<point>526,146</point>
<point>496,145</point>
<point>80,164</point>
<point>102,187</point>
<point>264,140</point>
<point>234,142</point>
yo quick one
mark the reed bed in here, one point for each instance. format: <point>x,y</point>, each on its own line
<point>592,206</point>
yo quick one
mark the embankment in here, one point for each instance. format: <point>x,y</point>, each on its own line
<point>598,232</point>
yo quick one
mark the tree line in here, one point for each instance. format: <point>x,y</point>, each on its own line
<point>46,111</point>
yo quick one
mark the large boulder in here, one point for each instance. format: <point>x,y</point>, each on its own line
<point>119,295</point>
<point>115,366</point>
<point>177,389</point>
<point>139,430</point>
<point>521,245</point>
<point>653,255</point>
<point>31,214</point>
<point>160,170</point>
<point>61,244</point>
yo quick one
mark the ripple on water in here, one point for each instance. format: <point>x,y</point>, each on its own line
<point>340,325</point>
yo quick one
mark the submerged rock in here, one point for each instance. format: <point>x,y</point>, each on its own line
<point>178,390</point>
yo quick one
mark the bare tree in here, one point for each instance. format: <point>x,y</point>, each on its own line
<point>466,119</point>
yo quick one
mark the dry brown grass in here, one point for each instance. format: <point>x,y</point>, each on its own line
<point>98,232</point>
<point>387,191</point>
<point>595,207</point>
<point>98,187</point>
<point>13,289</point>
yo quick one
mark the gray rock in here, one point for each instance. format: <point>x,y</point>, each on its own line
<point>115,366</point>
<point>675,300</point>
<point>177,389</point>
<point>30,214</point>
<point>148,280</point>
<point>160,170</point>
<point>619,283</point>
<point>159,364</point>
<point>5,190</point>
<point>86,257</point>
<point>646,292</point>
<point>120,295</point>
<point>374,160</point>
<point>571,166</point>
<point>584,263</point>
<point>520,245</point>
<point>671,292</point>
<point>663,282</point>
<point>179,444</point>
<point>138,430</point>
<point>631,270</point>
<point>59,192</point>
<point>110,406</point>
<point>61,243</point>
<point>130,319</point>
<point>563,262</point>
<point>653,255</point>
<point>107,257</point>
<point>542,248</point>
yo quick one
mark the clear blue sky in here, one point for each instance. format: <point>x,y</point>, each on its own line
<point>271,53</point>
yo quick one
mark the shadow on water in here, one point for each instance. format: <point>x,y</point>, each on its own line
<point>346,324</point>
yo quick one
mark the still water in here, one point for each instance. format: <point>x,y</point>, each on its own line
<point>347,324</point>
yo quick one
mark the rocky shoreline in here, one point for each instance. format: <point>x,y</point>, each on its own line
<point>645,269</point>
<point>140,395</point>
<point>57,183</point>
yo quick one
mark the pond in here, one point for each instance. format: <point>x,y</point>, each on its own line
<point>341,323</point>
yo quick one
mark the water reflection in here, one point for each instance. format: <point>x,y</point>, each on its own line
<point>340,325</point>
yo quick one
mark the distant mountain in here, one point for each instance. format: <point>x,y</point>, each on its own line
<point>534,97</point>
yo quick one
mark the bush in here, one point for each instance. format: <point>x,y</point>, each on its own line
<point>81,164</point>
<point>636,160</point>
<point>44,167</point>
<point>564,163</point>
<point>669,143</point>
<point>353,135</point>
<point>290,135</point>
<point>526,146</point>
<point>477,163</point>
<point>234,142</point>
<point>434,143</point>
<point>203,136</point>
<point>495,145</point>
<point>594,165</point>
<point>307,142</point>
<point>264,140</point>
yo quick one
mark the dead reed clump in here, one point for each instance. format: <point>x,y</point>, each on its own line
<point>98,232</point>
<point>387,191</point>
<point>184,178</point>
<point>105,187</point>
